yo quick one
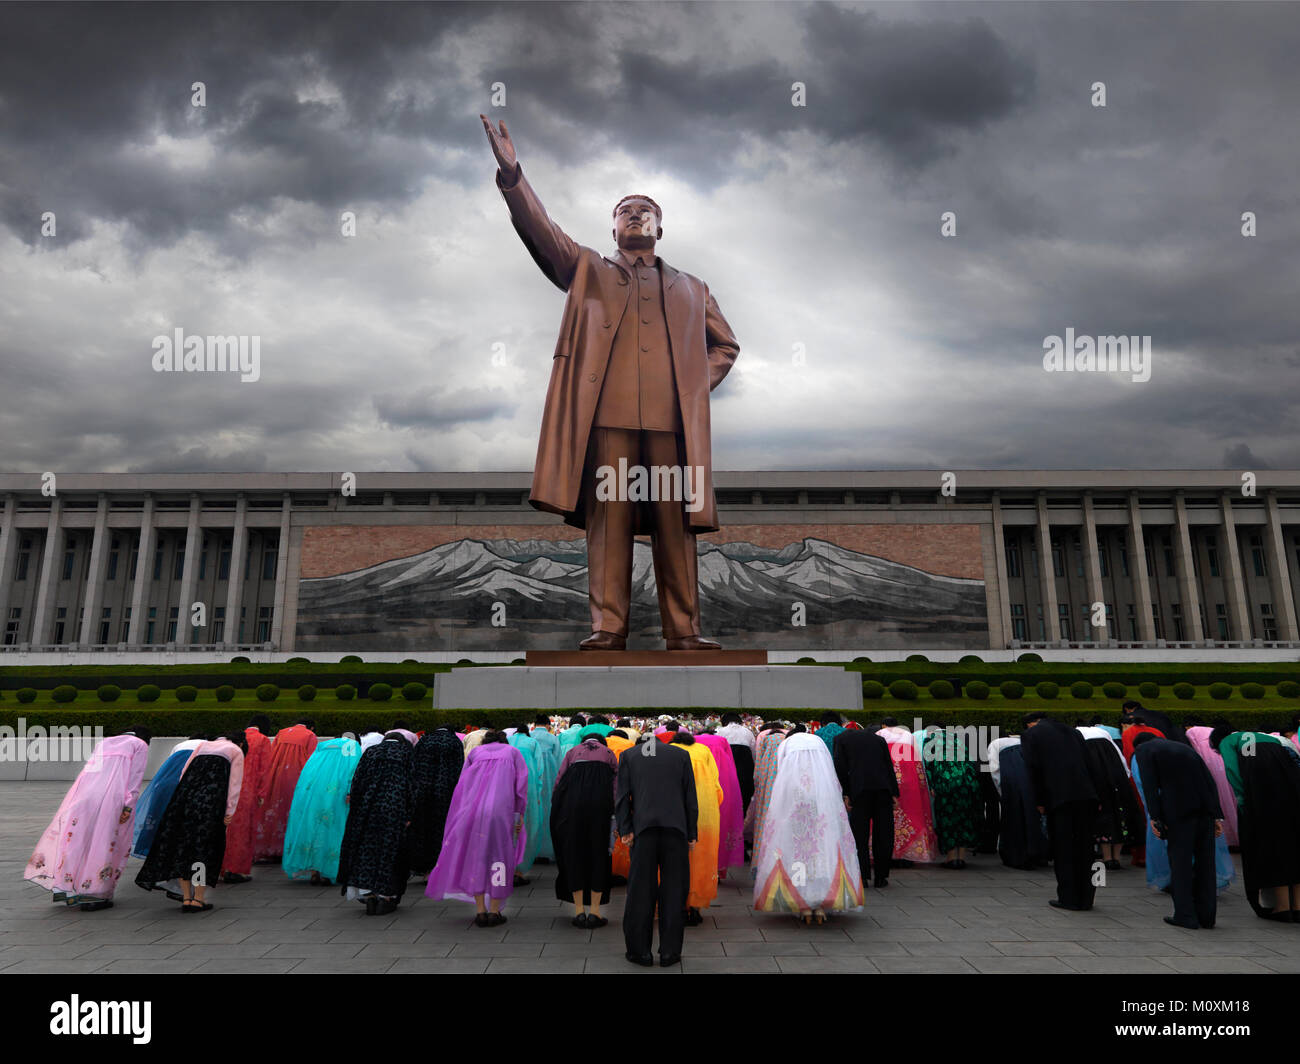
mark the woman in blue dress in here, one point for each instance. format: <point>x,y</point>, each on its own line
<point>319,812</point>
<point>1159,875</point>
<point>154,798</point>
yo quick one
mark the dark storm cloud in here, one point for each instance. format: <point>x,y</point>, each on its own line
<point>440,409</point>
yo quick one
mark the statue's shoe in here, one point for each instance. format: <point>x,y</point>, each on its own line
<point>603,641</point>
<point>692,642</point>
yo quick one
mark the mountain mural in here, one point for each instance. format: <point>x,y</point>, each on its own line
<point>446,598</point>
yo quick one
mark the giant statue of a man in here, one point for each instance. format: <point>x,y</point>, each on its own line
<point>625,440</point>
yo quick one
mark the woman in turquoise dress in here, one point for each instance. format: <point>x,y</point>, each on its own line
<point>532,755</point>
<point>319,812</point>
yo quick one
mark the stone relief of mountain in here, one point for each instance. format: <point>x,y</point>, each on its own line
<point>746,590</point>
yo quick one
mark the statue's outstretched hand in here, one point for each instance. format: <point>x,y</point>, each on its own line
<point>502,146</point>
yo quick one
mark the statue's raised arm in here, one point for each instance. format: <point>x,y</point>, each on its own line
<point>551,247</point>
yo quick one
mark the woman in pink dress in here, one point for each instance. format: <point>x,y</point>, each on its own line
<point>731,840</point>
<point>1200,740</point>
<point>914,838</point>
<point>81,854</point>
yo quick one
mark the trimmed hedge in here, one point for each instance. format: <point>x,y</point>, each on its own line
<point>1288,689</point>
<point>186,693</point>
<point>380,692</point>
<point>414,692</point>
<point>150,692</point>
<point>1081,689</point>
<point>345,692</point>
<point>1047,689</point>
<point>1147,689</point>
<point>267,692</point>
<point>64,693</point>
<point>1252,690</point>
<point>1220,691</point>
<point>942,689</point>
<point>306,693</point>
<point>976,689</point>
<point>1031,656</point>
<point>970,659</point>
<point>1012,689</point>
<point>26,695</point>
<point>917,657</point>
<point>1185,691</point>
<point>108,692</point>
<point>225,693</point>
<point>873,689</point>
<point>905,690</point>
<point>1114,690</point>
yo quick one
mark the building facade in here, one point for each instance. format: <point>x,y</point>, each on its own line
<point>838,561</point>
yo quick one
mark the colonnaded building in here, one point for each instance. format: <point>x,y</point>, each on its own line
<point>824,563</point>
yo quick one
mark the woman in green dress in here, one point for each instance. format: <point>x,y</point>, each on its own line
<point>955,793</point>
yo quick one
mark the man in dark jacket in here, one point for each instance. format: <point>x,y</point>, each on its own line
<point>1063,790</point>
<point>657,813</point>
<point>1183,803</point>
<point>870,786</point>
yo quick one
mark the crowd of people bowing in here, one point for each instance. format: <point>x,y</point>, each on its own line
<point>812,813</point>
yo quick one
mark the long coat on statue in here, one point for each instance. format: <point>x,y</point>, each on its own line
<point>599,290</point>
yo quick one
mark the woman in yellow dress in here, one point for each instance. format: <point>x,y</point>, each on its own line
<point>704,856</point>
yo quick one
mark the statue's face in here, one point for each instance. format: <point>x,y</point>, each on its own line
<point>636,226</point>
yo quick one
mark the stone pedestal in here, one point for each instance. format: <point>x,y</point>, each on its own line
<point>610,688</point>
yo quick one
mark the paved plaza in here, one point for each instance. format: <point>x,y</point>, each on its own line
<point>986,919</point>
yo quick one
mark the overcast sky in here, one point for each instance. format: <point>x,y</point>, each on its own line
<point>816,226</point>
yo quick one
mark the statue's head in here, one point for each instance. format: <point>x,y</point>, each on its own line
<point>636,223</point>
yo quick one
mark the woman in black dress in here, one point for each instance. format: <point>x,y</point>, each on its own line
<point>582,811</point>
<point>190,845</point>
<point>374,860</point>
<point>439,756</point>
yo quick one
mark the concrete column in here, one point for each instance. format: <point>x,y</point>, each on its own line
<point>1000,556</point>
<point>43,616</point>
<point>8,552</point>
<point>1047,573</point>
<point>1188,593</point>
<point>1278,574</point>
<point>1234,583</point>
<point>143,574</point>
<point>95,581</point>
<point>189,573</point>
<point>281,573</point>
<point>1137,551</point>
<point>235,586</point>
<point>1092,570</point>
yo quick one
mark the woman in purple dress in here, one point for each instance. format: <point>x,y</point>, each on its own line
<point>484,839</point>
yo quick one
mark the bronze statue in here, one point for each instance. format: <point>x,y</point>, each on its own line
<point>641,346</point>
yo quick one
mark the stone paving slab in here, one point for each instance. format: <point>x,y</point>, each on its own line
<point>986,920</point>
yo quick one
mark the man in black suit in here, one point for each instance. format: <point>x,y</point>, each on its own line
<point>870,787</point>
<point>1183,804</point>
<point>656,811</point>
<point>1057,764</point>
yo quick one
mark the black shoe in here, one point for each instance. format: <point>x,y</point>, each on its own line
<point>645,960</point>
<point>899,862</point>
<point>594,922</point>
<point>693,917</point>
<point>580,921</point>
<point>618,881</point>
<point>1114,866</point>
<point>385,906</point>
<point>495,919</point>
<point>372,904</point>
<point>481,920</point>
<point>95,906</point>
<point>1057,904</point>
<point>668,962</point>
<point>1178,923</point>
<point>882,881</point>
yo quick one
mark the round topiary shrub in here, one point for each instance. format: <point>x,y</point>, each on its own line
<point>873,689</point>
<point>413,692</point>
<point>306,693</point>
<point>977,689</point>
<point>108,692</point>
<point>26,695</point>
<point>465,661</point>
<point>225,693</point>
<point>519,661</point>
<point>862,661</point>
<point>917,657</point>
<point>1252,690</point>
<point>942,689</point>
<point>1047,689</point>
<point>1114,689</point>
<point>350,659</point>
<point>806,661</point>
<point>1288,689</point>
<point>186,693</point>
<point>1220,691</point>
<point>298,661</point>
<point>1012,689</point>
<point>409,661</point>
<point>345,692</point>
<point>970,659</point>
<point>904,690</point>
<point>1147,689</point>
<point>267,692</point>
<point>149,692</point>
<point>241,660</point>
<point>1030,656</point>
<point>65,692</point>
<point>1185,691</point>
<point>381,692</point>
<point>1081,689</point>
